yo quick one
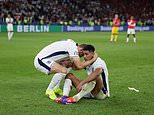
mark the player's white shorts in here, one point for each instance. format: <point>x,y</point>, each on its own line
<point>43,65</point>
<point>130,31</point>
<point>10,27</point>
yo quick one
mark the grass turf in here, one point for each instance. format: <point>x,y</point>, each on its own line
<point>22,87</point>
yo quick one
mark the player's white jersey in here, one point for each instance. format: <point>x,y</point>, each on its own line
<point>99,63</point>
<point>9,22</point>
<point>59,50</point>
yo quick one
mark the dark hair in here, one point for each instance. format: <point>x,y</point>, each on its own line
<point>82,45</point>
<point>89,48</point>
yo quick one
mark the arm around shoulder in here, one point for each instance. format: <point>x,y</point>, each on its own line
<point>81,65</point>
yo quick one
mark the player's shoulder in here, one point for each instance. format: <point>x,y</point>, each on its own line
<point>98,61</point>
<point>66,44</point>
<point>70,41</point>
<point>134,21</point>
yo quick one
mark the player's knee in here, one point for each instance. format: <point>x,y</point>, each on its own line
<point>69,76</point>
<point>64,70</point>
<point>93,83</point>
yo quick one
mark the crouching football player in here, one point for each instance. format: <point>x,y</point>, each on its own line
<point>95,85</point>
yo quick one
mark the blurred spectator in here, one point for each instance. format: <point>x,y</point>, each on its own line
<point>78,12</point>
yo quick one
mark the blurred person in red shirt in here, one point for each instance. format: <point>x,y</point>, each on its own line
<point>131,28</point>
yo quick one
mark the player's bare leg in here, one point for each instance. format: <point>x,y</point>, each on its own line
<point>115,37</point>
<point>97,91</point>
<point>97,87</point>
<point>57,68</point>
<point>112,37</point>
<point>10,34</point>
<point>127,39</point>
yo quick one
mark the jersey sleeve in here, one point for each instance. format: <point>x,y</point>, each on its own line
<point>7,20</point>
<point>134,23</point>
<point>11,20</point>
<point>72,50</point>
<point>98,64</point>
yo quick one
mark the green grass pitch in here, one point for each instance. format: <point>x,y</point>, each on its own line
<point>22,87</point>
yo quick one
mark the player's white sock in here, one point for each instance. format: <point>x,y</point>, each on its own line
<point>87,88</point>
<point>115,38</point>
<point>57,85</point>
<point>134,40</point>
<point>11,34</point>
<point>67,87</point>
<point>55,82</point>
<point>127,40</point>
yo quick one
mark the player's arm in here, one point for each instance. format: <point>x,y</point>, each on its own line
<point>134,23</point>
<point>12,21</point>
<point>130,22</point>
<point>74,67</point>
<point>7,20</point>
<point>114,21</point>
<point>80,65</point>
<point>118,22</point>
<point>92,77</point>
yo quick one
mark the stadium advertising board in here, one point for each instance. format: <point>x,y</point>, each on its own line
<point>102,28</point>
<point>57,28</point>
<point>79,28</point>
<point>33,28</point>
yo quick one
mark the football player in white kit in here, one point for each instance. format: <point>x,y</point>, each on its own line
<point>49,60</point>
<point>95,85</point>
<point>9,21</point>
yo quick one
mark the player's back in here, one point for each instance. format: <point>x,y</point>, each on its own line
<point>57,51</point>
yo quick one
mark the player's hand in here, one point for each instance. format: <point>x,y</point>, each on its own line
<point>79,87</point>
<point>95,56</point>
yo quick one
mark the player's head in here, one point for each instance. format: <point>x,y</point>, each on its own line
<point>132,17</point>
<point>80,49</point>
<point>116,15</point>
<point>9,15</point>
<point>88,52</point>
